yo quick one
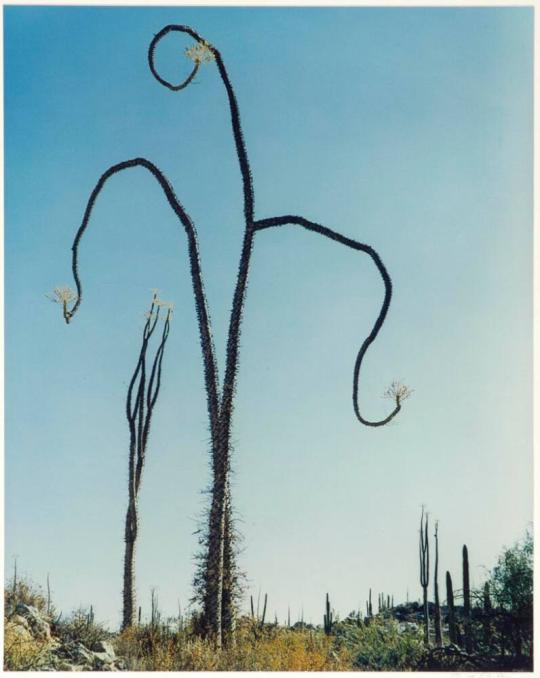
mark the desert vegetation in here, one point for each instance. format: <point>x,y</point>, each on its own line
<point>492,632</point>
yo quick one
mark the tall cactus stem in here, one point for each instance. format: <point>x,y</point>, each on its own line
<point>467,630</point>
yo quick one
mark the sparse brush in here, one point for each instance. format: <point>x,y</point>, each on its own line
<point>22,652</point>
<point>273,649</point>
<point>81,627</point>
<point>22,590</point>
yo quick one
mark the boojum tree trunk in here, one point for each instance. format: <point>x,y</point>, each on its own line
<point>220,401</point>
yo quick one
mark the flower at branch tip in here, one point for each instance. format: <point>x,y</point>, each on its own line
<point>166,305</point>
<point>62,295</point>
<point>200,53</point>
<point>398,392</point>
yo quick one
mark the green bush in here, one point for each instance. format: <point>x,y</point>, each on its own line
<point>80,627</point>
<point>381,645</point>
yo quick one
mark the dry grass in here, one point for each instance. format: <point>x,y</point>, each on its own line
<point>22,652</point>
<point>270,649</point>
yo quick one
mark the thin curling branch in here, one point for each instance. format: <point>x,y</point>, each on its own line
<point>241,152</point>
<point>355,245</point>
<point>203,316</point>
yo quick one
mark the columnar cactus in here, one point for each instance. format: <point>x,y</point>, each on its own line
<point>452,624</point>
<point>424,570</point>
<point>328,617</point>
<point>438,629</point>
<point>467,626</point>
<point>488,631</point>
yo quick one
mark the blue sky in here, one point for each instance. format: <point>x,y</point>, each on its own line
<point>407,129</point>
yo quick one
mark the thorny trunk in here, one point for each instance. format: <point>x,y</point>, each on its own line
<point>215,556</point>
<point>215,610</point>
<point>129,569</point>
<point>228,601</point>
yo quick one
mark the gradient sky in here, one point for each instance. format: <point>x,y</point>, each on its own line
<point>407,129</point>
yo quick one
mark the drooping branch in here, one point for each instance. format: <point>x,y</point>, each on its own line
<point>360,247</point>
<point>203,316</point>
<point>241,151</point>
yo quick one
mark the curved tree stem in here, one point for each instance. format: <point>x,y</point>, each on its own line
<point>203,316</point>
<point>355,245</point>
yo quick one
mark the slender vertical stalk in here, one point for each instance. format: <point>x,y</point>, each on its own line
<point>467,627</point>
<point>488,610</point>
<point>452,624</point>
<point>15,596</point>
<point>424,571</point>
<point>48,595</point>
<point>142,395</point>
<point>438,629</point>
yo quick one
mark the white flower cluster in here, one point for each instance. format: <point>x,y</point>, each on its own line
<point>62,295</point>
<point>157,302</point>
<point>397,391</point>
<point>200,53</point>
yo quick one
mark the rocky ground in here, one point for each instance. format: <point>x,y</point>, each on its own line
<point>28,626</point>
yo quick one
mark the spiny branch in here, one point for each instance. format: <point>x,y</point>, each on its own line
<point>203,316</point>
<point>355,245</point>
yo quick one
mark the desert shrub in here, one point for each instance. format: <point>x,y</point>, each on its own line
<point>282,649</point>
<point>22,652</point>
<point>26,592</point>
<point>381,645</point>
<point>269,648</point>
<point>80,627</point>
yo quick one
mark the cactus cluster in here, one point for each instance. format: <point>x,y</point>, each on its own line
<point>255,615</point>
